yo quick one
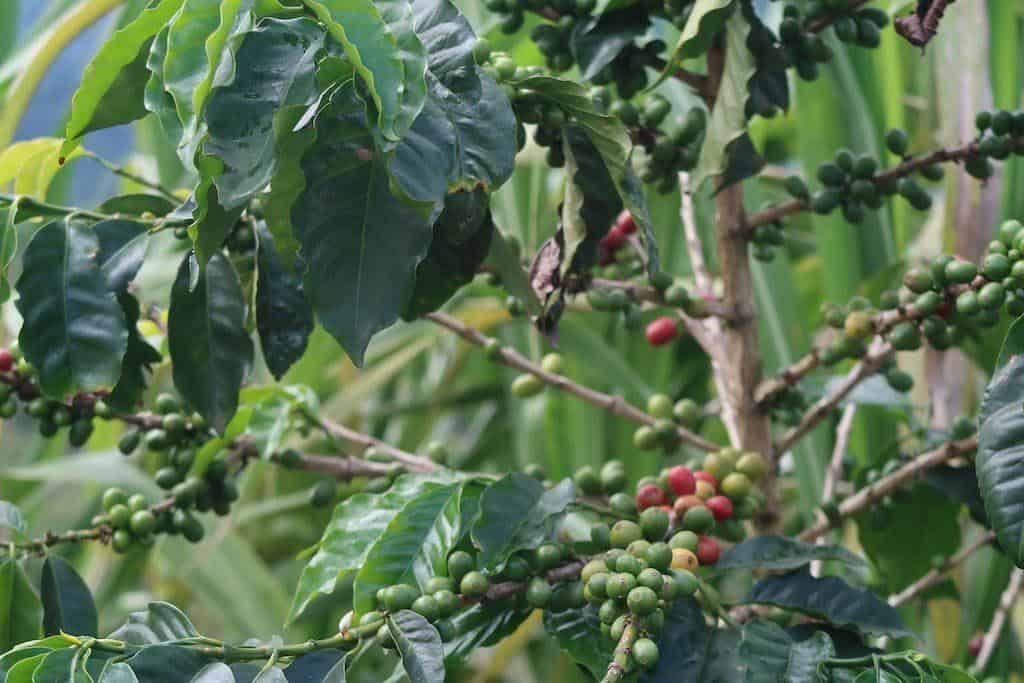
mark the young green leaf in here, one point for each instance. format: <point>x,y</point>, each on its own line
<point>20,610</point>
<point>517,512</point>
<point>705,22</point>
<point>74,331</point>
<point>419,646</point>
<point>206,335</point>
<point>113,83</point>
<point>67,602</point>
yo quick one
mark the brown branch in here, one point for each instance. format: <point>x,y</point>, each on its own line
<point>940,573</point>
<point>867,367</point>
<point>880,489</point>
<point>776,213</point>
<point>613,404</point>
<point>995,629</point>
<point>413,462</point>
<point>643,293</point>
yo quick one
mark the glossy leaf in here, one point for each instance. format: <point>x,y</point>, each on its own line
<point>67,601</point>
<point>831,599</point>
<point>768,654</point>
<point>167,663</point>
<point>139,357</point>
<point>578,632</point>
<point>123,247</point>
<point>118,672</point>
<point>314,667</point>
<point>23,670</point>
<point>20,611</point>
<point>597,41</point>
<point>462,240</point>
<point>209,345</point>
<point>355,526</point>
<point>162,622</point>
<point>156,98</point>
<point>706,20</point>
<point>113,83</point>
<point>781,553</point>
<point>419,645</point>
<point>693,653</point>
<point>517,512</point>
<point>74,331</point>
<point>284,319</point>
<point>274,69</point>
<point>31,165</point>
<point>62,666</point>
<point>1000,458</point>
<point>217,672</point>
<point>413,546</point>
<point>379,40</point>
<point>482,625</point>
<point>361,244</point>
<point>591,202</point>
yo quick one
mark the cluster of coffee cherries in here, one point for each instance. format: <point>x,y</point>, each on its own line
<point>668,416</point>
<point>849,183</point>
<point>678,149</point>
<point>856,321</point>
<point>804,49</point>
<point>999,136</point>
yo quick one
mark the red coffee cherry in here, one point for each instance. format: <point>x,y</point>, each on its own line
<point>6,360</point>
<point>662,331</point>
<point>701,475</point>
<point>708,551</point>
<point>720,506</point>
<point>681,480</point>
<point>625,223</point>
<point>650,495</point>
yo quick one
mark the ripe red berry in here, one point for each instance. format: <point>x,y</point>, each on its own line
<point>650,495</point>
<point>720,506</point>
<point>708,551</point>
<point>701,475</point>
<point>681,480</point>
<point>662,331</point>
<point>6,360</point>
<point>974,645</point>
<point>625,223</point>
<point>614,240</point>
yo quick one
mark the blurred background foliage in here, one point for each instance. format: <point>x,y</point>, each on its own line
<point>419,384</point>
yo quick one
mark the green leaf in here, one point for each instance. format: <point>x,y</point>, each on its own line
<point>355,526</point>
<point>314,667</point>
<point>727,149</point>
<point>275,68</point>
<point>162,622</point>
<point>706,20</point>
<point>504,258</point>
<point>782,553</point>
<point>904,537</point>
<point>596,42</point>
<point>1013,343</point>
<point>74,331</point>
<point>210,348</point>
<point>118,672</point>
<point>419,646</point>
<point>9,219</point>
<point>270,675</point>
<point>20,654</point>
<point>288,183</point>
<point>768,654</point>
<point>12,520</point>
<point>361,244</point>
<point>414,546</point>
<point>138,203</point>
<point>123,247</point>
<point>578,632</point>
<point>379,40</point>
<point>829,598</point>
<point>167,663</point>
<point>1000,456</point>
<point>693,653</point>
<point>517,512</point>
<point>138,358</point>
<point>462,239</point>
<point>611,139</point>
<point>113,83</point>
<point>23,671</point>
<point>284,319</point>
<point>62,666</point>
<point>156,98</point>
<point>465,135</point>
<point>20,611</point>
<point>67,601</point>
<point>482,625</point>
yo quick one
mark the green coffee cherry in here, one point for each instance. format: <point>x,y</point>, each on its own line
<point>527,386</point>
<point>460,563</point>
<point>538,593</point>
<point>474,584</point>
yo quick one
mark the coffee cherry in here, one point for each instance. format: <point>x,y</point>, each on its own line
<point>609,612</point>
<point>460,563</point>
<point>659,406</point>
<point>322,493</point>
<point>399,597</point>
<point>962,428</point>
<point>625,532</point>
<point>752,464</point>
<point>447,603</point>
<point>708,551</point>
<point>681,480</point>
<point>661,331</point>
<point>654,523</point>
<point>120,516</point>
<point>859,325</point>
<point>619,585</point>
<point>613,477</point>
<point>896,141</point>
<point>166,403</point>
<point>527,386</point>
<point>721,507</point>
<point>6,360</point>
<point>112,497</point>
<point>121,541</point>
<point>143,522</point>
<point>659,556</point>
<point>645,652</point>
<point>686,540</point>
<point>642,600</point>
<point>684,559</point>
<point>736,486</point>
<point>548,556</point>
<point>960,272</point>
<point>650,495</point>
<point>437,584</point>
<point>474,584</point>
<point>427,607</point>
<point>538,593</point>
<point>481,50</point>
<point>587,481</point>
<point>622,504</point>
<point>698,519</point>
<point>628,563</point>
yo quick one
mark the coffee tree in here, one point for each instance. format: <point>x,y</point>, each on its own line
<point>331,173</point>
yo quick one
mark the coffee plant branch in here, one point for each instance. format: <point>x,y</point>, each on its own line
<point>940,573</point>
<point>513,359</point>
<point>910,165</point>
<point>875,492</point>
<point>995,629</point>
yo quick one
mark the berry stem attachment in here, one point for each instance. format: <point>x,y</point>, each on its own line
<point>617,670</point>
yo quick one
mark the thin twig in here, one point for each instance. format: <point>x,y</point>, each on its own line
<point>995,629</point>
<point>880,489</point>
<point>835,467</point>
<point>939,574</point>
<point>867,367</point>
<point>413,462</point>
<point>119,170</point>
<point>613,404</point>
